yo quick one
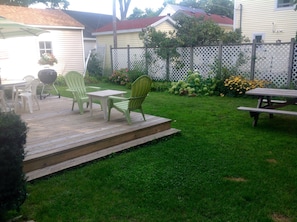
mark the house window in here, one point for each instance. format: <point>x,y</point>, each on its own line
<point>45,47</point>
<point>285,3</point>
<point>258,38</point>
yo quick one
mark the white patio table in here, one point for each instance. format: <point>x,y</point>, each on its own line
<point>9,84</point>
<point>103,96</point>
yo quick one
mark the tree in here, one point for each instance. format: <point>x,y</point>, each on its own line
<point>124,7</point>
<point>52,3</point>
<point>189,3</point>
<point>138,13</point>
<point>193,31</point>
<point>26,3</point>
<point>15,3</point>
<point>190,31</point>
<point>164,43</point>
<point>219,7</point>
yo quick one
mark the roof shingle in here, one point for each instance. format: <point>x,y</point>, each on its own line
<point>131,24</point>
<point>38,17</point>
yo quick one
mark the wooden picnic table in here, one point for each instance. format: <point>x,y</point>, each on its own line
<point>267,105</point>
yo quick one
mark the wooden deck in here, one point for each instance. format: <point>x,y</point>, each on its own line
<point>59,138</point>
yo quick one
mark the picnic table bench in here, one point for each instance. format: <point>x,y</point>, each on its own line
<point>267,105</point>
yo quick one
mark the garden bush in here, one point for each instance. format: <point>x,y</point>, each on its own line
<point>194,85</point>
<point>13,132</point>
<point>125,76</point>
<point>119,77</point>
<point>95,66</point>
<point>60,81</point>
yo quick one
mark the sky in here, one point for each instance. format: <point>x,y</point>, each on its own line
<point>105,6</point>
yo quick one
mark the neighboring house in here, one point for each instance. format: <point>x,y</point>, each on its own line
<point>128,33</point>
<point>92,22</point>
<point>64,40</point>
<point>176,10</point>
<point>266,21</point>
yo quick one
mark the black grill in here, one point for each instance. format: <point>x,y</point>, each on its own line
<point>48,78</point>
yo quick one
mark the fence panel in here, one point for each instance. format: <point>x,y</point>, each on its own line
<point>272,62</point>
<point>294,66</point>
<point>237,58</point>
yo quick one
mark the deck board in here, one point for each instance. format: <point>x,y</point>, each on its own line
<point>59,138</point>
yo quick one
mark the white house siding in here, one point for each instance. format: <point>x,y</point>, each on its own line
<point>68,48</point>
<point>131,39</point>
<point>89,45</point>
<point>164,27</point>
<point>19,56</point>
<point>262,17</point>
<point>123,40</point>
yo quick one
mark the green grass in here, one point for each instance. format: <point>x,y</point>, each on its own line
<point>219,168</point>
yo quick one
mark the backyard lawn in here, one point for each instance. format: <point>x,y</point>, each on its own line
<point>219,168</point>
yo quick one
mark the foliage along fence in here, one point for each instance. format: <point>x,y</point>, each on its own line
<point>274,62</point>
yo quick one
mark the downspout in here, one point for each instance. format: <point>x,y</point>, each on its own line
<point>240,18</point>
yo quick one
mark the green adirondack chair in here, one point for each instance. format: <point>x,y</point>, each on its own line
<point>76,84</point>
<point>139,90</point>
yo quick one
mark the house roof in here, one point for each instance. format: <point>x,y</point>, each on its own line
<point>133,25</point>
<point>91,21</point>
<point>219,19</point>
<point>39,17</point>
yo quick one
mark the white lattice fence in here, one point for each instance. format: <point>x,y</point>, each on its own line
<point>137,59</point>
<point>156,65</point>
<point>237,58</point>
<point>179,67</point>
<point>272,63</point>
<point>205,59</point>
<point>294,67</point>
<point>120,58</point>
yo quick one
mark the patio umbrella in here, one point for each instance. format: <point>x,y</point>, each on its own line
<point>10,29</point>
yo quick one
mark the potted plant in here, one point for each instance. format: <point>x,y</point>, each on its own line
<point>47,59</point>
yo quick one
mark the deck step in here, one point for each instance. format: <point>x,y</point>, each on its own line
<point>98,154</point>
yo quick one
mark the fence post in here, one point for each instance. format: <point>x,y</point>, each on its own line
<point>253,60</point>
<point>128,60</point>
<point>146,60</point>
<point>167,66</point>
<point>220,59</point>
<point>111,58</point>
<point>191,59</point>
<point>290,65</point>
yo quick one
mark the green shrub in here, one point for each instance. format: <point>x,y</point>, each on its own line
<point>60,81</point>
<point>125,76</point>
<point>95,66</point>
<point>13,132</point>
<point>160,86</point>
<point>91,79</point>
<point>194,85</point>
<point>133,74</point>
